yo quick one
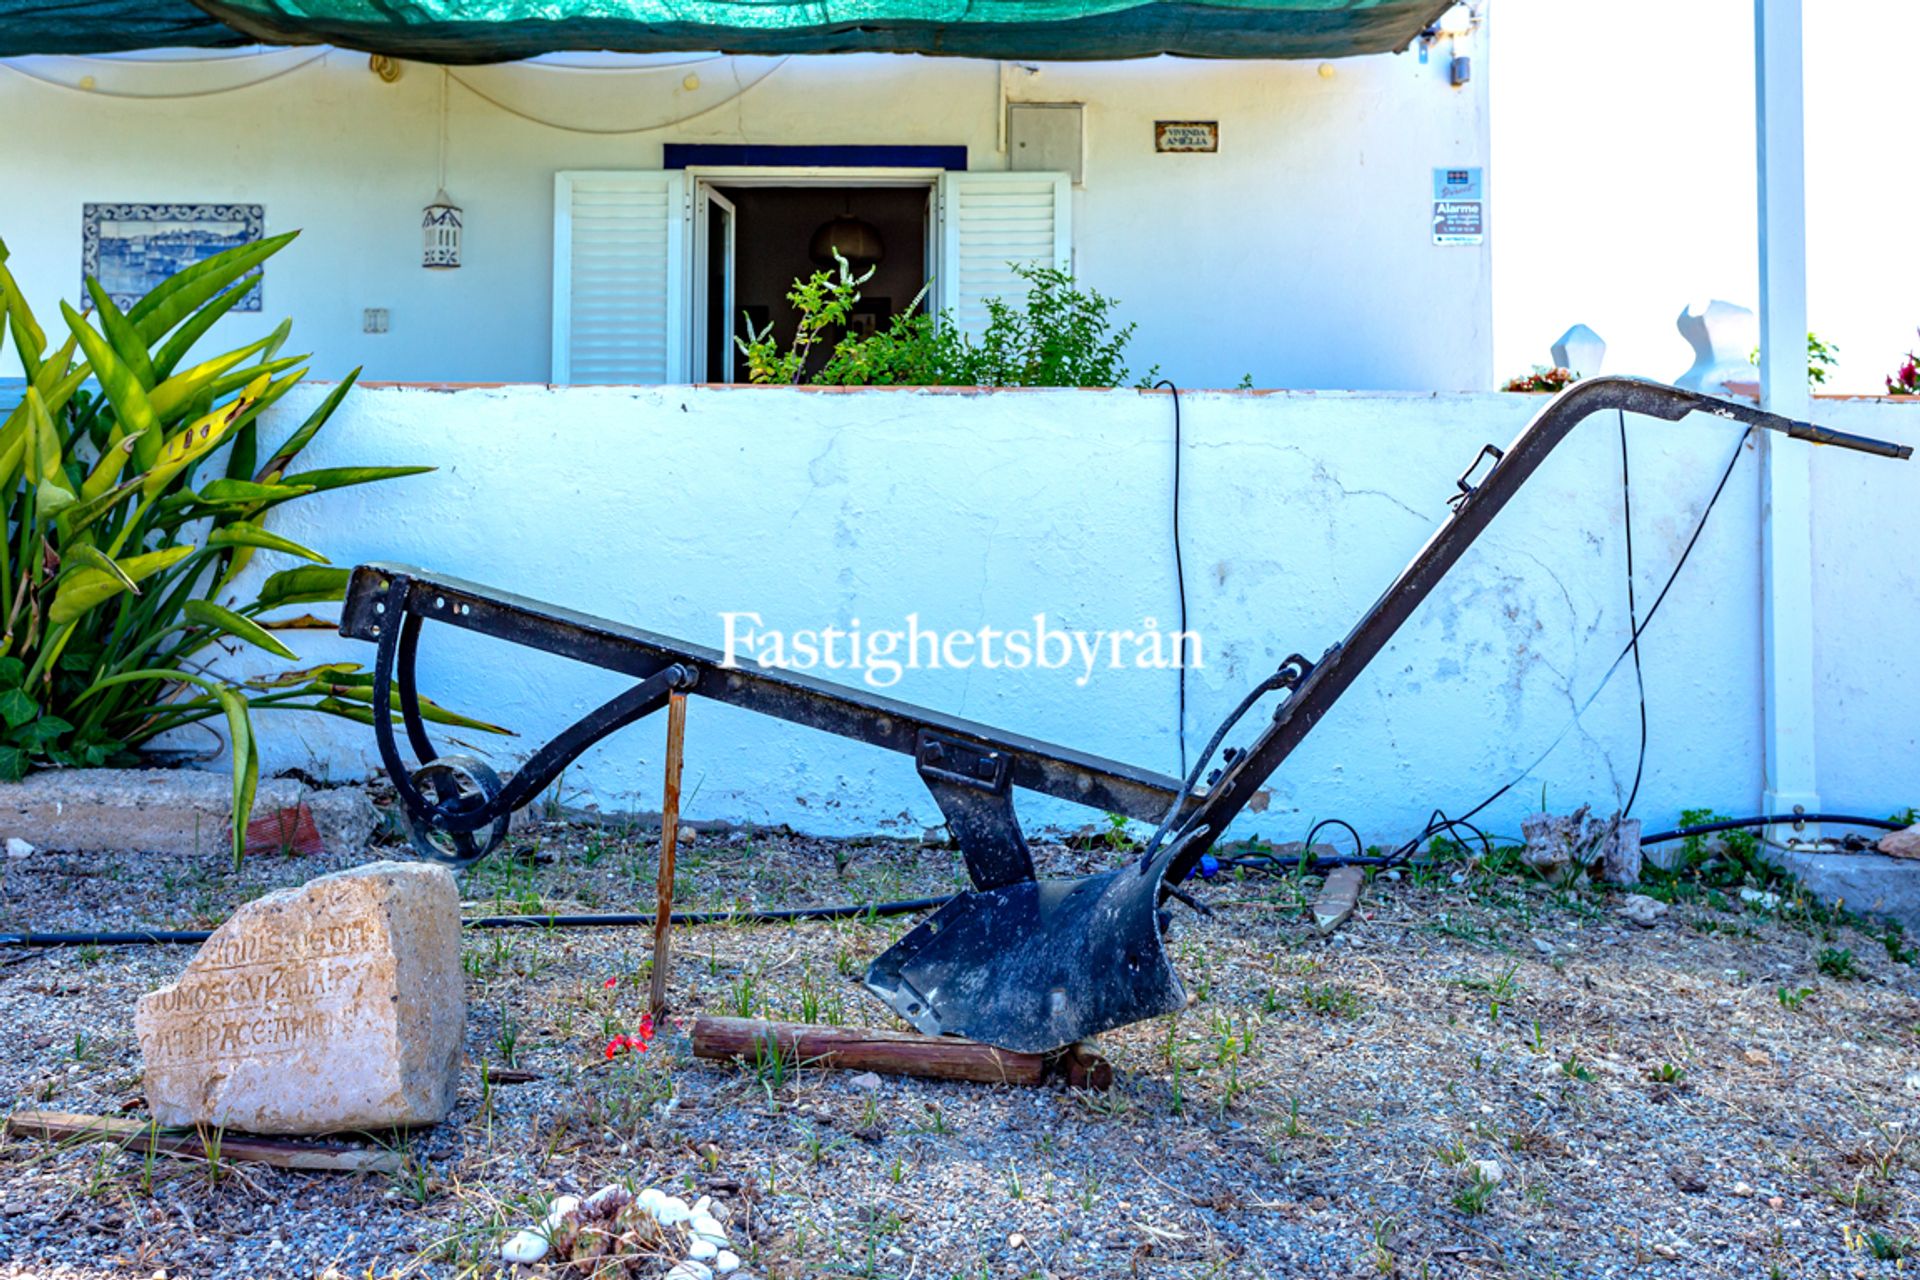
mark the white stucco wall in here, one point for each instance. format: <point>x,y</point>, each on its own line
<point>663,507</point>
<point>1300,254</point>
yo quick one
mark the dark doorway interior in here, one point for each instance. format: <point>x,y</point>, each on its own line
<point>773,231</point>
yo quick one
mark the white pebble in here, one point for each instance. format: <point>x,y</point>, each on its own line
<point>703,1249</point>
<point>18,848</point>
<point>690,1270</point>
<point>651,1199</point>
<point>526,1246</point>
<point>1489,1171</point>
<point>707,1229</point>
<point>704,1205</point>
<point>532,1244</point>
<point>726,1262</point>
<point>671,1209</point>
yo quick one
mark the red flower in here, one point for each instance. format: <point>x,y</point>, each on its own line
<point>609,984</point>
<point>618,1045</point>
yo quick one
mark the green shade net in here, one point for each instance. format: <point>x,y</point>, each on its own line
<point>450,32</point>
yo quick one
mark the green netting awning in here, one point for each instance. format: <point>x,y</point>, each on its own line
<point>503,30</point>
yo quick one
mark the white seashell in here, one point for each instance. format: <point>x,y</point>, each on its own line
<point>671,1209</point>
<point>726,1262</point>
<point>703,1249</point>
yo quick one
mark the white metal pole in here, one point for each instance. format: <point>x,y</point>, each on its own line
<point>1786,510</point>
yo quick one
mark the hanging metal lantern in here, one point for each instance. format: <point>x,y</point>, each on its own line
<point>440,232</point>
<point>858,242</point>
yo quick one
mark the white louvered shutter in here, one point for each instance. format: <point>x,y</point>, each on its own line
<point>619,289</point>
<point>991,220</point>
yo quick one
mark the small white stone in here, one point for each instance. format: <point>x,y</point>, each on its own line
<point>690,1270</point>
<point>865,1080</point>
<point>1742,1189</point>
<point>1489,1171</point>
<point>703,1249</point>
<point>525,1247</point>
<point>704,1205</point>
<point>706,1228</point>
<point>18,848</point>
<point>651,1199</point>
<point>671,1209</point>
<point>601,1196</point>
<point>726,1262</point>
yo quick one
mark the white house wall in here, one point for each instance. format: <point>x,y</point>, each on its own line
<point>1300,254</point>
<point>665,507</point>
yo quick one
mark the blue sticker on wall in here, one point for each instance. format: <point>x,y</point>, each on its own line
<point>130,248</point>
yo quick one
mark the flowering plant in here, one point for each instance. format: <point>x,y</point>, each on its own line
<point>635,1043</point>
<point>1906,380</point>
<point>1543,379</point>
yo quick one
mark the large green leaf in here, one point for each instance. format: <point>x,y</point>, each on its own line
<point>197,439</point>
<point>225,493</point>
<point>244,533</point>
<point>355,692</point>
<point>171,399</point>
<point>175,348</point>
<point>341,477</point>
<point>284,457</point>
<point>120,334</point>
<point>80,557</point>
<point>28,338</point>
<point>122,388</point>
<point>91,587</point>
<point>52,491</point>
<point>106,472</point>
<point>308,584</point>
<point>208,614</point>
<point>180,295</point>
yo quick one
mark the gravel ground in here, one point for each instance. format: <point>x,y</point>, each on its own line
<point>1477,1076</point>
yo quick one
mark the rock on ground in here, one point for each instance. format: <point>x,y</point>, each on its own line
<point>165,810</point>
<point>337,1005</point>
<point>1902,844</point>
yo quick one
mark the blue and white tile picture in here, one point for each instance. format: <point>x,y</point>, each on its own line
<point>130,248</point>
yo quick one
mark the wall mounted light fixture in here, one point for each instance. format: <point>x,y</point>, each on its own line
<point>440,222</point>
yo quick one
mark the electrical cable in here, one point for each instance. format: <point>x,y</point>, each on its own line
<point>1633,618</point>
<point>163,97</point>
<point>1179,574</point>
<point>1772,820</point>
<point>740,91</point>
<point>1440,823</point>
<point>762,915</point>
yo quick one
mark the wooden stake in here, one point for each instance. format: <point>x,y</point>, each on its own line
<point>867,1049</point>
<point>669,839</point>
<point>61,1126</point>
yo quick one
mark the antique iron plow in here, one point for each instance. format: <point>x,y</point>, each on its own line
<point>1019,962</point>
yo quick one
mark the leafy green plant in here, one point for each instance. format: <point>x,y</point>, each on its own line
<point>134,491</point>
<point>1060,336</point>
<point>1822,359</point>
<point>1837,962</point>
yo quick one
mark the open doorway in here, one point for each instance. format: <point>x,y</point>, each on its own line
<point>752,241</point>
